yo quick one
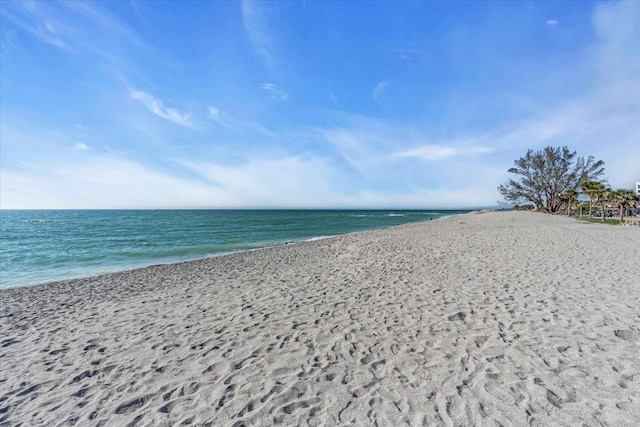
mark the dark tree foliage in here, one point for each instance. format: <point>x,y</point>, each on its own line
<point>544,176</point>
<point>623,199</point>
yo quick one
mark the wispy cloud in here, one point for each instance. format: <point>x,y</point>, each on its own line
<point>287,181</point>
<point>271,178</point>
<point>224,119</point>
<point>354,144</point>
<point>71,26</point>
<point>105,20</point>
<point>156,106</point>
<point>87,32</point>
<point>439,152</point>
<point>602,121</point>
<point>34,19</point>
<point>105,181</point>
<point>335,100</point>
<point>255,17</point>
<point>378,91</point>
<point>7,43</point>
<point>318,155</point>
<point>407,53</point>
<point>374,147</point>
<point>275,92</point>
<point>99,181</point>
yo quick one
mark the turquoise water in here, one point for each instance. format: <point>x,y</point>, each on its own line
<point>41,246</point>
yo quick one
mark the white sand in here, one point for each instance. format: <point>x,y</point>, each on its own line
<point>505,318</point>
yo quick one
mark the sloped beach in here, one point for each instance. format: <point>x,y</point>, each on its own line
<point>510,318</point>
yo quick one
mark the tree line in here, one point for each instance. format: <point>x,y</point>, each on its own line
<point>553,178</point>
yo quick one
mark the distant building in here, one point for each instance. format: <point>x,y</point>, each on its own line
<point>638,188</point>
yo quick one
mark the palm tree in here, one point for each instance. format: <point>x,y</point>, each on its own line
<point>593,189</point>
<point>569,196</point>
<point>605,195</point>
<point>624,199</point>
<point>583,205</point>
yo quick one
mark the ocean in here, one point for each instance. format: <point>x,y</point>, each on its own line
<point>38,246</point>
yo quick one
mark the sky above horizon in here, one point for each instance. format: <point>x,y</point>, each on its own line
<point>134,104</point>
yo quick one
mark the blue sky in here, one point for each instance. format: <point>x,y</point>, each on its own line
<point>307,104</point>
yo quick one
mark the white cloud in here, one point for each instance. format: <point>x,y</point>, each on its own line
<point>603,121</point>
<point>472,195</point>
<point>407,53</point>
<point>97,182</point>
<point>255,17</point>
<point>80,146</point>
<point>213,113</point>
<point>35,19</point>
<point>358,144</point>
<point>378,91</point>
<point>275,92</point>
<point>224,119</point>
<point>552,22</point>
<point>376,147</point>
<point>221,118</point>
<point>439,152</point>
<point>72,26</point>
<point>100,17</point>
<point>334,99</point>
<point>363,162</point>
<point>616,55</point>
<point>108,181</point>
<point>294,181</point>
<point>156,106</point>
<point>290,181</point>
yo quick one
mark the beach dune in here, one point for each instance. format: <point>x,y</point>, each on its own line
<point>496,318</point>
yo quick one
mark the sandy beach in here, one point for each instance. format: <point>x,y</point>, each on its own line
<point>497,318</point>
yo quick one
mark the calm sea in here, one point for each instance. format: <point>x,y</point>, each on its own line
<point>41,246</point>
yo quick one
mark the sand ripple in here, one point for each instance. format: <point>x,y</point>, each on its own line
<point>491,319</point>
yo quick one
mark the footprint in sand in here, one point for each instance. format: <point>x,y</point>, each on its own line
<point>627,335</point>
<point>461,315</point>
<point>132,405</point>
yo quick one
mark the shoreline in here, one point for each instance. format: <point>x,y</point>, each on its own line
<point>169,263</point>
<point>509,317</point>
<point>213,256</point>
